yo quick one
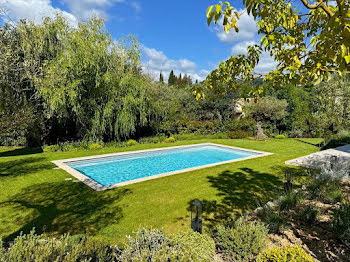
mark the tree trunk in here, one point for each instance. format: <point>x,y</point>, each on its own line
<point>260,132</point>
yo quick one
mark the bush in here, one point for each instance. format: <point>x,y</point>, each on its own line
<point>154,245</point>
<point>341,223</point>
<point>193,246</point>
<point>132,142</point>
<point>169,140</point>
<point>52,148</point>
<point>328,192</point>
<point>36,248</point>
<point>280,136</point>
<point>285,254</point>
<point>290,200</point>
<point>152,140</point>
<point>245,124</point>
<point>243,241</point>
<point>237,134</point>
<point>147,245</point>
<point>309,214</point>
<point>273,218</point>
<point>188,136</point>
<point>95,146</point>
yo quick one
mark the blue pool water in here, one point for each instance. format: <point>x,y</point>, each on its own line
<point>111,170</point>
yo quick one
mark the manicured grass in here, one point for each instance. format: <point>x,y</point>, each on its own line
<point>33,194</point>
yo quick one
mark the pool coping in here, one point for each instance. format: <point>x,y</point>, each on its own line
<point>62,163</point>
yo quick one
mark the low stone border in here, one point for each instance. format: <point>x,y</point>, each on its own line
<point>98,187</point>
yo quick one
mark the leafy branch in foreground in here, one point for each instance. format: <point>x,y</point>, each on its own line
<point>309,45</point>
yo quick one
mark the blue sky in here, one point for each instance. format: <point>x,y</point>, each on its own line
<point>172,34</point>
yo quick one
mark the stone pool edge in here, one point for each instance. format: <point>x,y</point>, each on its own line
<point>98,187</point>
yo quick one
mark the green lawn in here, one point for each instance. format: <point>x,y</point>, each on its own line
<point>33,194</point>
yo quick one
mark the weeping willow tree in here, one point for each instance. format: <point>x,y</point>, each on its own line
<point>96,82</point>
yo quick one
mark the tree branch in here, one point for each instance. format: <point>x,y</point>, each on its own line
<point>320,4</point>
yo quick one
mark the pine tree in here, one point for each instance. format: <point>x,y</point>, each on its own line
<point>161,78</point>
<point>172,78</point>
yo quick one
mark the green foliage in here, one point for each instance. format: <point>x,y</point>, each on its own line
<point>52,148</point>
<point>322,190</point>
<point>95,146</point>
<point>170,140</point>
<point>154,245</point>
<point>309,214</point>
<point>274,219</point>
<point>66,248</point>
<point>132,142</point>
<point>285,254</point>
<point>280,136</point>
<point>309,44</point>
<point>153,140</point>
<point>245,124</point>
<point>290,200</point>
<point>239,134</point>
<point>194,246</point>
<point>341,223</point>
<point>267,109</point>
<point>243,241</point>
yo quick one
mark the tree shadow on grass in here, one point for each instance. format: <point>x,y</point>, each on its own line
<point>22,151</point>
<point>65,207</point>
<point>24,166</point>
<point>240,192</point>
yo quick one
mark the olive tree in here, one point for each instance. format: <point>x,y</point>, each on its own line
<point>266,109</point>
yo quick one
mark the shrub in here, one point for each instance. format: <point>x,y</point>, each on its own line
<point>169,140</point>
<point>237,134</point>
<point>192,246</point>
<point>280,136</point>
<point>188,136</point>
<point>285,254</point>
<point>132,142</point>
<point>95,146</point>
<point>33,247</point>
<point>290,200</point>
<point>243,241</point>
<point>154,245</point>
<point>309,214</point>
<point>52,148</point>
<point>273,218</point>
<point>245,124</point>
<point>147,245</point>
<point>341,223</point>
<point>329,192</point>
<point>152,140</point>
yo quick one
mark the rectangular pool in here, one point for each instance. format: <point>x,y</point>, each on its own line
<point>113,170</point>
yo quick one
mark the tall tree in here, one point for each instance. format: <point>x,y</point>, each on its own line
<point>266,109</point>
<point>310,43</point>
<point>161,78</point>
<point>172,78</point>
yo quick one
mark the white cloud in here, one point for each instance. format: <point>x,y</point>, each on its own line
<point>83,9</point>
<point>266,62</point>
<point>247,29</point>
<point>34,10</point>
<point>156,61</point>
<point>241,47</point>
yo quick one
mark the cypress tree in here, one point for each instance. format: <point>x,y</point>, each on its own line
<point>172,78</point>
<point>161,79</point>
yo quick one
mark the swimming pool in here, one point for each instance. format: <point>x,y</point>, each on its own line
<point>113,170</point>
